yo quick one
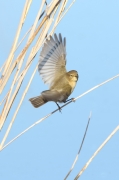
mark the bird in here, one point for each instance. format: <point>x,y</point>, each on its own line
<point>52,69</point>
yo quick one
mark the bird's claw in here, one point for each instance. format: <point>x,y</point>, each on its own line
<point>73,99</point>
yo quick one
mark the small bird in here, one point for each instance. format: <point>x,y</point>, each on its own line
<point>52,69</point>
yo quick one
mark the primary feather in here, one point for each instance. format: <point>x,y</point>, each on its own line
<point>53,60</point>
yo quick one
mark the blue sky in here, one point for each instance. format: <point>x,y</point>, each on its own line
<point>48,150</point>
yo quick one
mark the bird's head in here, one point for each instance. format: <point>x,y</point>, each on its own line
<point>72,76</point>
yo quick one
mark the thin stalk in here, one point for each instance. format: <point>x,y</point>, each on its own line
<point>4,99</point>
<point>72,167</point>
<point>74,99</point>
<point>55,25</point>
<point>96,152</point>
<point>11,55</point>
<point>8,106</point>
<point>23,38</point>
<point>50,10</point>
<point>22,53</point>
<point>11,123</point>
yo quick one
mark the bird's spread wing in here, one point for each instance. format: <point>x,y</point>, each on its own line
<point>53,59</point>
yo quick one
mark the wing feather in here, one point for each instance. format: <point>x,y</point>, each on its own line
<point>53,59</point>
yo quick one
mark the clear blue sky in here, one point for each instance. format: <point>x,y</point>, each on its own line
<point>47,151</point>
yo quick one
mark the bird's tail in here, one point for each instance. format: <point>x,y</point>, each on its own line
<point>37,101</point>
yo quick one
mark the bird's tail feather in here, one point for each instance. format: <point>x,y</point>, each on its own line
<point>37,101</point>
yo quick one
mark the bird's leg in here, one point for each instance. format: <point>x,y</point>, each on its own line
<point>59,107</point>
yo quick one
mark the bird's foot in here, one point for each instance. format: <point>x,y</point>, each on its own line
<point>73,99</point>
<point>59,108</point>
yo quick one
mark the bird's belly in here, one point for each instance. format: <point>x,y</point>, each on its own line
<point>61,99</point>
<point>62,96</point>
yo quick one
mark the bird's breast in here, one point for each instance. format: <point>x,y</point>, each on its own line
<point>72,84</point>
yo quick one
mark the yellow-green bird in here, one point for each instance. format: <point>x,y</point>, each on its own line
<point>52,69</point>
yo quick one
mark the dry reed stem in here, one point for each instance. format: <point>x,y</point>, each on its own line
<point>8,103</point>
<point>33,28</point>
<point>96,152</point>
<point>34,51</point>
<point>64,2</point>
<point>95,87</point>
<point>27,9</point>
<point>55,25</point>
<point>58,16</point>
<point>6,106</point>
<point>44,31</point>
<point>23,39</point>
<point>16,111</point>
<point>3,66</point>
<point>3,117</point>
<point>37,43</point>
<point>11,123</point>
<point>50,10</point>
<point>76,158</point>
<point>62,17</point>
<point>22,54</point>
<point>67,10</point>
<point>11,55</point>
<point>7,132</point>
<point>4,98</point>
